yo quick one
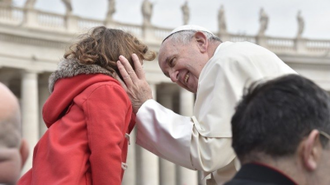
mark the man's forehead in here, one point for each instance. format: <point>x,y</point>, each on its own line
<point>163,56</point>
<point>164,51</point>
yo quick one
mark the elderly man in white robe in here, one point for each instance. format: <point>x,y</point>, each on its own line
<point>216,71</point>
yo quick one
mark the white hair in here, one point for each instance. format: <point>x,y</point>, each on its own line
<point>184,37</point>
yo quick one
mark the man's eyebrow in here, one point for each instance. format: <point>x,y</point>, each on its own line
<point>167,60</point>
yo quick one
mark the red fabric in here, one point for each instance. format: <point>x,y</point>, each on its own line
<point>88,117</point>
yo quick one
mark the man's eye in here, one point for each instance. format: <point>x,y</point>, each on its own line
<point>171,63</point>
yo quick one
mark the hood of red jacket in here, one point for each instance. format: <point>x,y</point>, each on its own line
<point>66,83</point>
<point>65,90</point>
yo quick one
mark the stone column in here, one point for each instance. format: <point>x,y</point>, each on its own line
<point>147,167</point>
<point>30,116</point>
<point>43,95</point>
<point>130,173</point>
<point>187,176</point>
<point>167,168</point>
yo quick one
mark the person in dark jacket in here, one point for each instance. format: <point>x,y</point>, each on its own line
<point>281,133</point>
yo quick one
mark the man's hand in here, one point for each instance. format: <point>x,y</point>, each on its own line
<point>137,86</point>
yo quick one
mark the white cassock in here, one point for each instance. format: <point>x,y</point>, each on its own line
<point>203,142</point>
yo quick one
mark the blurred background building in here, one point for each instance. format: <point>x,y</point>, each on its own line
<point>32,42</point>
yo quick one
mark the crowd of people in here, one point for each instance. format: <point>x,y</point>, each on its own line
<point>256,121</point>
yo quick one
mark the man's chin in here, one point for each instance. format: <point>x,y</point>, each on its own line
<point>191,90</point>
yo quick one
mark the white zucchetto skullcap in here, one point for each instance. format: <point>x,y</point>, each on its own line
<point>188,28</point>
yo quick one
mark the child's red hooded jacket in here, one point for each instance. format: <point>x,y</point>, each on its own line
<point>89,117</point>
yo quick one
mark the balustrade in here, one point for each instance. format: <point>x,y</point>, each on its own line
<point>11,15</point>
<point>240,38</point>
<point>133,29</point>
<point>72,24</point>
<point>50,20</point>
<point>84,23</point>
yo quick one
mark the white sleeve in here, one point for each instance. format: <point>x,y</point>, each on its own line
<point>164,133</point>
<point>174,137</point>
<point>210,153</point>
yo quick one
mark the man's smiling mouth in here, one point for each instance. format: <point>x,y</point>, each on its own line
<point>186,78</point>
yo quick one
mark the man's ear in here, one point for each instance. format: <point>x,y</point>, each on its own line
<point>24,151</point>
<point>201,41</point>
<point>311,150</point>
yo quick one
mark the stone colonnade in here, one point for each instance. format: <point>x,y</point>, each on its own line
<point>144,168</point>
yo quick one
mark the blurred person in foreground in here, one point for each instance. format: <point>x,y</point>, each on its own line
<point>88,114</point>
<point>13,149</point>
<point>281,133</point>
<point>197,60</point>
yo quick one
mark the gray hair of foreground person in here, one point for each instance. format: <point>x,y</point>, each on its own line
<point>13,149</point>
<point>285,123</point>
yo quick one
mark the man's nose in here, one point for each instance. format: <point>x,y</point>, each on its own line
<point>174,75</point>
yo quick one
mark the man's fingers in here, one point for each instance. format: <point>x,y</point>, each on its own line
<point>126,77</point>
<point>116,76</point>
<point>138,67</point>
<point>128,68</point>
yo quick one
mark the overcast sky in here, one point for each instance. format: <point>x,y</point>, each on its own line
<point>242,16</point>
